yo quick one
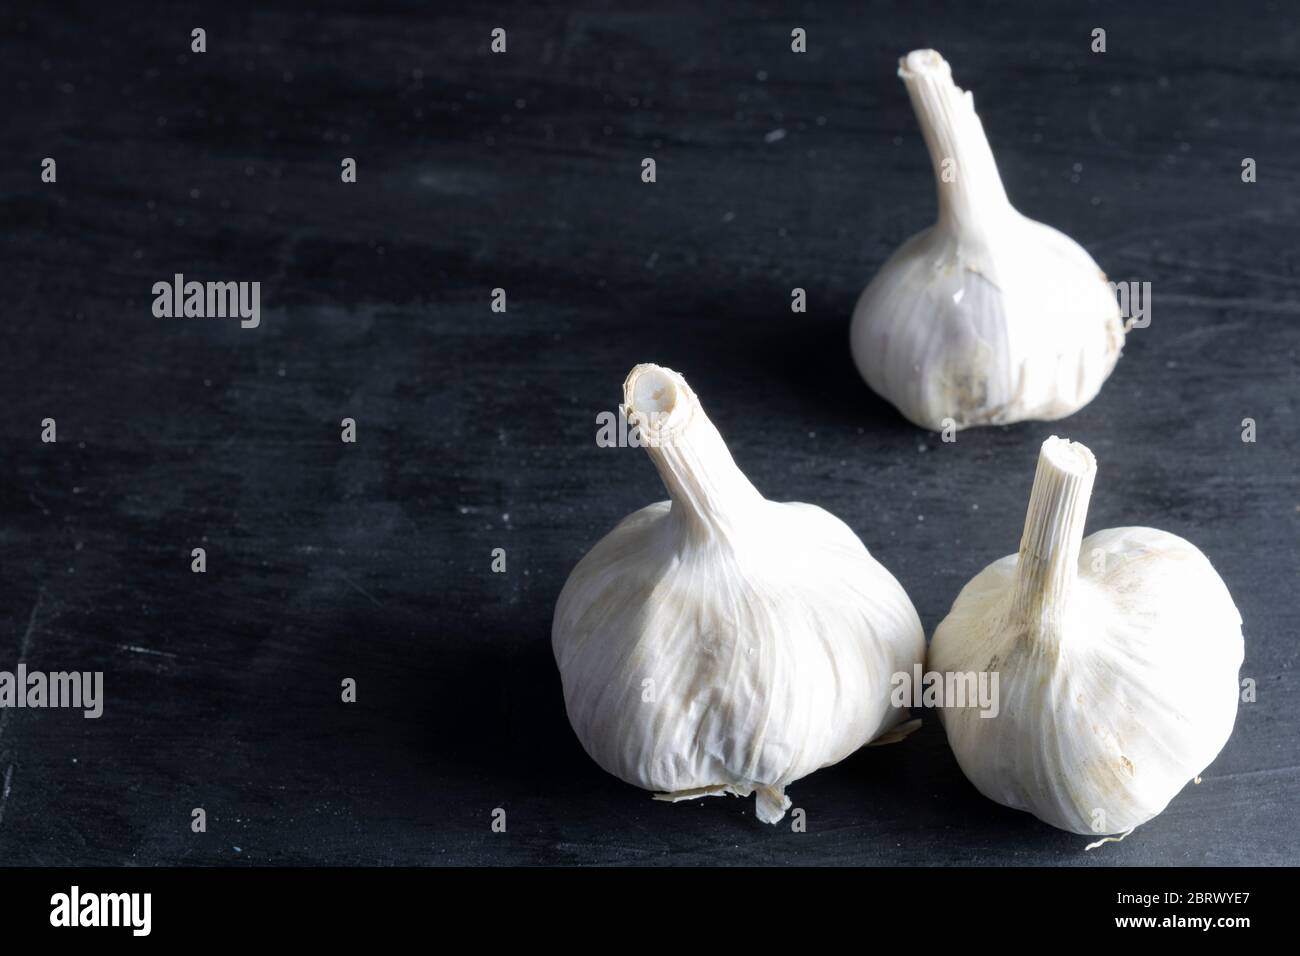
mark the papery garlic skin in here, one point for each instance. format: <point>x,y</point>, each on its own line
<point>1117,656</point>
<point>720,642</point>
<point>987,317</point>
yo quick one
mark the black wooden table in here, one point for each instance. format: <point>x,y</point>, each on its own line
<point>475,429</point>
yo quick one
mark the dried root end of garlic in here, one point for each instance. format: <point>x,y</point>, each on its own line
<point>719,642</point>
<point>1117,657</point>
<point>987,317</point>
<point>770,803</point>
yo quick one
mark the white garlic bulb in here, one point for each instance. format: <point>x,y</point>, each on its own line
<point>720,642</point>
<point>987,317</point>
<point>1117,659</point>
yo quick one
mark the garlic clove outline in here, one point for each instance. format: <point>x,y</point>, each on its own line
<point>1117,658</point>
<point>719,642</point>
<point>987,317</point>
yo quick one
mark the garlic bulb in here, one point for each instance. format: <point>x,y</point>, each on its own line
<point>720,642</point>
<point>1117,659</point>
<point>987,317</point>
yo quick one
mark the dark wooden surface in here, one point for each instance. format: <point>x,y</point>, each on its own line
<point>476,430</point>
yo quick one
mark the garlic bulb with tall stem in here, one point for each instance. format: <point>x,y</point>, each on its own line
<point>719,642</point>
<point>987,317</point>
<point>1117,658</point>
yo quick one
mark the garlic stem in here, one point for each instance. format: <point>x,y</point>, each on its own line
<point>973,199</point>
<point>1049,548</point>
<point>709,492</point>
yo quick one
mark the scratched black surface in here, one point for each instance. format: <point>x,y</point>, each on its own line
<point>476,429</point>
